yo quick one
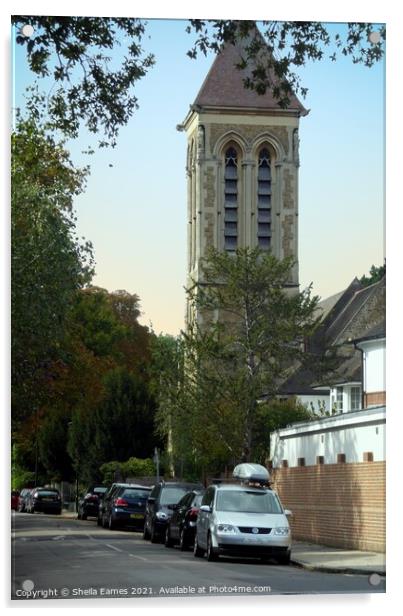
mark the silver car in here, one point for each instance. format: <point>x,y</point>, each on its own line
<point>244,521</point>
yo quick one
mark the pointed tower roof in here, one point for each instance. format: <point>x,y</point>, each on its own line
<point>224,85</point>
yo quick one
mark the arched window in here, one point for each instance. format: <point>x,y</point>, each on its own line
<point>264,200</point>
<point>231,200</point>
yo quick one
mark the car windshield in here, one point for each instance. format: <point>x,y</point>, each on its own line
<point>247,502</point>
<point>171,496</point>
<point>136,494</point>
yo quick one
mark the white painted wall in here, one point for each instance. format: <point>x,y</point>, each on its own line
<point>374,352</point>
<point>349,433</point>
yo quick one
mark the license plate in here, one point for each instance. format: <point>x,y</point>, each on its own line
<point>137,516</point>
<point>48,499</point>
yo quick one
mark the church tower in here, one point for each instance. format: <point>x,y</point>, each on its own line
<point>242,167</point>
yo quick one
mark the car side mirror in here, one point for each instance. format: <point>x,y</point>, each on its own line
<point>205,508</point>
<point>288,512</point>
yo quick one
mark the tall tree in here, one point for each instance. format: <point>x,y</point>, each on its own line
<point>121,426</point>
<point>255,329</point>
<point>48,261</point>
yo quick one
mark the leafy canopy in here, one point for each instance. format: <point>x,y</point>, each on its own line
<point>88,87</point>
<point>93,88</point>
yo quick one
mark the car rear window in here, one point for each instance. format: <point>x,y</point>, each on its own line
<point>100,490</point>
<point>171,496</point>
<point>48,493</point>
<point>136,494</point>
<point>245,501</point>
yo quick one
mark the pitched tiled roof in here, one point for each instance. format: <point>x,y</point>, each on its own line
<point>358,313</point>
<point>363,312</point>
<point>224,87</point>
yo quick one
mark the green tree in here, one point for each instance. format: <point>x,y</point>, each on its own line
<point>166,371</point>
<point>119,427</point>
<point>48,261</point>
<point>90,87</point>
<point>52,443</point>
<point>252,330</point>
<point>274,415</point>
<point>375,275</point>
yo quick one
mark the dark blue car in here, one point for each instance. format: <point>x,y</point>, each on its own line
<point>126,507</point>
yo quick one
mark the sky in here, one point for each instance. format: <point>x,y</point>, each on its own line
<point>134,206</point>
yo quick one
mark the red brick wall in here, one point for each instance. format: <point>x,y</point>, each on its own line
<point>340,505</point>
<point>376,398</point>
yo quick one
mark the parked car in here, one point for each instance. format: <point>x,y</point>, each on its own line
<point>181,527</point>
<point>47,500</point>
<point>239,519</point>
<point>14,499</point>
<point>126,507</point>
<point>105,500</point>
<point>160,504</point>
<point>23,498</point>
<point>88,504</point>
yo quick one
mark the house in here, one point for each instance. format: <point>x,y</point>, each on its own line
<point>331,471</point>
<point>352,332</point>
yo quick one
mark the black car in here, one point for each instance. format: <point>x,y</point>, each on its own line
<point>125,506</point>
<point>88,504</point>
<point>47,500</point>
<point>181,527</point>
<point>160,505</point>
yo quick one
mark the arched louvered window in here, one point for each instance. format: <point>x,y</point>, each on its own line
<point>264,200</point>
<point>231,200</point>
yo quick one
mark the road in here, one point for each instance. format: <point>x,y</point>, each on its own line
<point>59,558</point>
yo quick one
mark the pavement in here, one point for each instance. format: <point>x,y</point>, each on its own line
<point>337,560</point>
<point>315,557</point>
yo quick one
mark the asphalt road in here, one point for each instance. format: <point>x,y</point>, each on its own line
<point>56,558</point>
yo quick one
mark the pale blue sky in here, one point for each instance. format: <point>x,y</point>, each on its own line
<point>135,212</point>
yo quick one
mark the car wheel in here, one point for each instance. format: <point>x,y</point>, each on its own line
<point>211,552</point>
<point>111,523</point>
<point>146,534</point>
<point>168,540</point>
<point>198,552</point>
<point>104,522</point>
<point>154,537</point>
<point>84,516</point>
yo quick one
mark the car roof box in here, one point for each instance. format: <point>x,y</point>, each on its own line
<point>253,473</point>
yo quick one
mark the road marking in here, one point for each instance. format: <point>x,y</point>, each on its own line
<point>139,557</point>
<point>113,547</point>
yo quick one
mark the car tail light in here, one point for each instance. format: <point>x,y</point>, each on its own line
<point>91,497</point>
<point>193,511</point>
<point>120,502</point>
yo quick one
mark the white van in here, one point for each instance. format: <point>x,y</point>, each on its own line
<point>243,519</point>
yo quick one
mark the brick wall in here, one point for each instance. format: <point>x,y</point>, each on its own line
<point>341,505</point>
<point>376,398</point>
